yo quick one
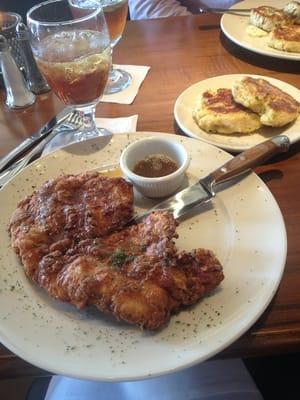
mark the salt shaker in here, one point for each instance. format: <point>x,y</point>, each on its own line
<point>17,93</point>
<point>35,80</point>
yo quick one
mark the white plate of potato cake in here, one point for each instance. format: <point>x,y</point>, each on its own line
<point>56,336</point>
<point>208,110</point>
<point>263,31</point>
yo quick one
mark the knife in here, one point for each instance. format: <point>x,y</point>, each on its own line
<point>32,140</point>
<point>203,10</point>
<point>203,190</point>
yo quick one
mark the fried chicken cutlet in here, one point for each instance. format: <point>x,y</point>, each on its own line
<point>69,247</point>
<point>66,210</point>
<point>217,112</point>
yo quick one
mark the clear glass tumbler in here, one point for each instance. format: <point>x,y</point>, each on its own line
<point>115,12</point>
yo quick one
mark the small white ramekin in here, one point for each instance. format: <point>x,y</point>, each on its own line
<point>139,150</point>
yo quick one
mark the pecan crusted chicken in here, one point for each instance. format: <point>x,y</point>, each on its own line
<point>72,240</point>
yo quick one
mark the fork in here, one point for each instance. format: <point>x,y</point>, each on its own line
<point>238,11</point>
<point>72,123</point>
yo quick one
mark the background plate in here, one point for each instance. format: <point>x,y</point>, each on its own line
<point>234,27</point>
<point>86,344</point>
<point>187,101</point>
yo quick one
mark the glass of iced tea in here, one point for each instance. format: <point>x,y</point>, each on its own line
<point>115,12</point>
<point>74,55</point>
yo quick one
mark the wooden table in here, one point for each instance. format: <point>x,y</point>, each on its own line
<point>182,51</point>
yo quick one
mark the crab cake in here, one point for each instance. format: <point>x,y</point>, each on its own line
<point>217,112</point>
<point>275,107</point>
<point>267,18</point>
<point>292,10</point>
<point>286,38</point>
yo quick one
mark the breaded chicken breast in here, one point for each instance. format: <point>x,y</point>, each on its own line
<point>217,112</point>
<point>286,38</point>
<point>267,18</point>
<point>275,107</point>
<point>71,239</point>
<point>292,10</point>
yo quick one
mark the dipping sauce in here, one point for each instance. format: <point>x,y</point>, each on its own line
<point>155,166</point>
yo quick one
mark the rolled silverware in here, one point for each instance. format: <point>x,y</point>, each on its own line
<point>72,123</point>
<point>34,139</point>
<point>5,176</point>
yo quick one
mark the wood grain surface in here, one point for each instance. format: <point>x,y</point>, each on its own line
<point>182,51</point>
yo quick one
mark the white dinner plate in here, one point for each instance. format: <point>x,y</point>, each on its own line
<point>234,27</point>
<point>244,227</point>
<point>186,102</point>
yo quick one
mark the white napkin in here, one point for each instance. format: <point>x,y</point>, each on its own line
<point>114,125</point>
<point>126,96</point>
<point>118,125</point>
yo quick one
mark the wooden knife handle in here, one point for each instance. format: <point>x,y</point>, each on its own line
<point>250,158</point>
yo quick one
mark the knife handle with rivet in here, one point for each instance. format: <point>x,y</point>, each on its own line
<point>249,159</point>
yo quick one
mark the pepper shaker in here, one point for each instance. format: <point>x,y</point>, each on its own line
<point>35,80</point>
<point>17,93</point>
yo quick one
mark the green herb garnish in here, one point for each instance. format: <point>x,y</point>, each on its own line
<point>118,258</point>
